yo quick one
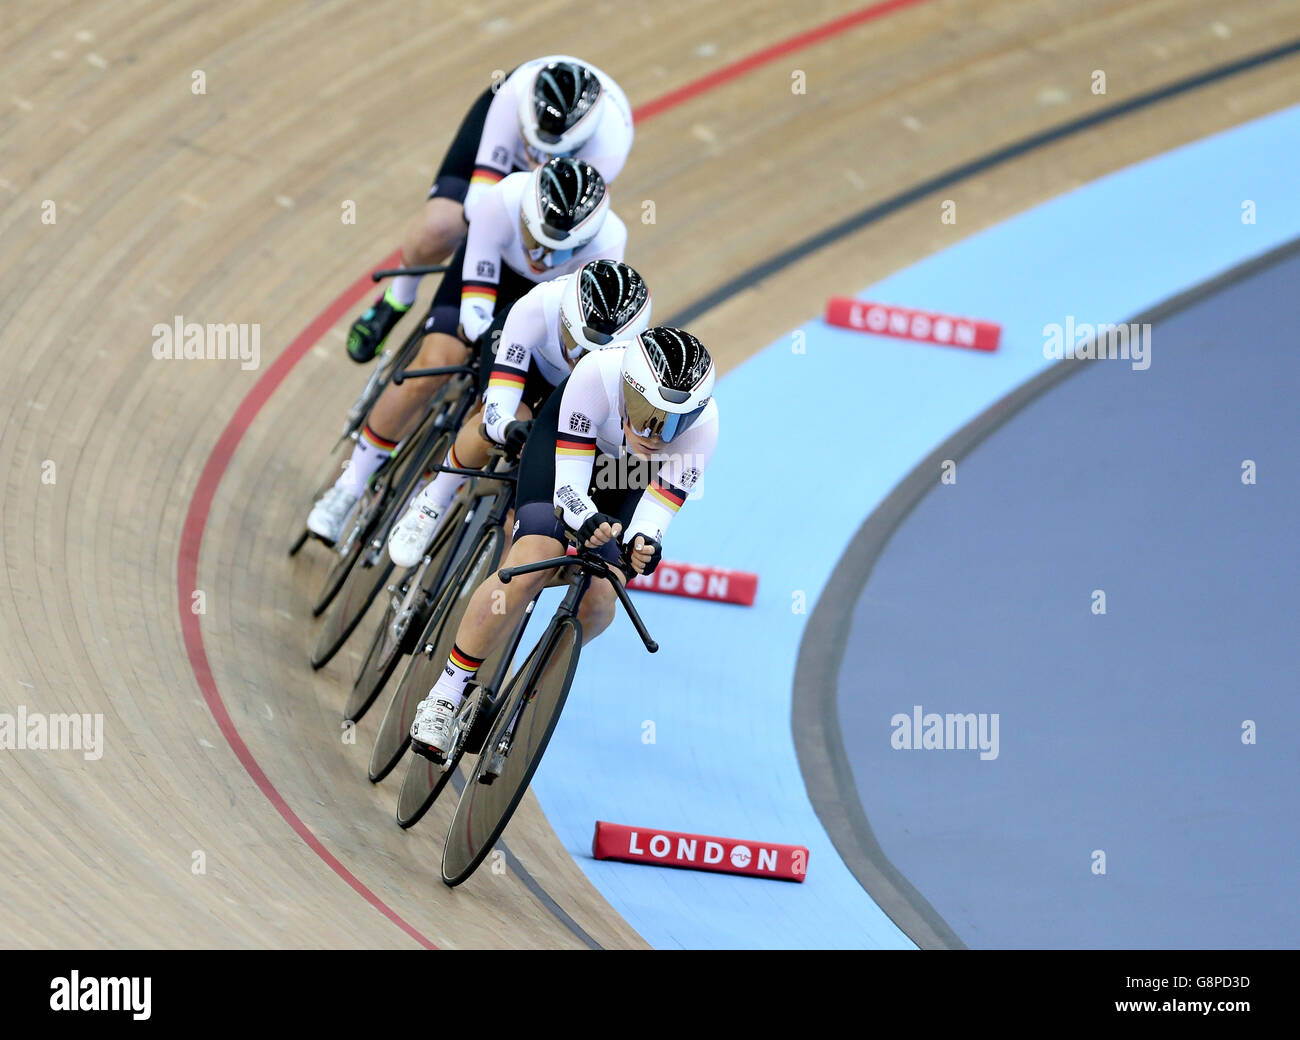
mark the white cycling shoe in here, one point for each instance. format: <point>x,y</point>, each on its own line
<point>413,534</point>
<point>328,516</point>
<point>431,730</point>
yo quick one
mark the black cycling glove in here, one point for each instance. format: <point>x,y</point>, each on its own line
<point>589,525</point>
<point>515,435</point>
<point>656,554</point>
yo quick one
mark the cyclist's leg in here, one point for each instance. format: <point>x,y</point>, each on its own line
<point>492,613</point>
<point>433,235</point>
<point>538,535</point>
<point>415,531</point>
<point>471,448</point>
<point>400,406</point>
<point>396,412</point>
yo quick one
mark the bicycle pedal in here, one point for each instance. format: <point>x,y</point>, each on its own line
<point>431,753</point>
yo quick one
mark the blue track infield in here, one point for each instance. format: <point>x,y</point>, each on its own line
<point>786,492</point>
<point>1119,732</point>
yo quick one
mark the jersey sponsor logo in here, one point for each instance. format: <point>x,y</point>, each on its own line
<point>515,353</point>
<point>689,477</point>
<point>492,414</point>
<point>486,269</point>
<point>571,500</point>
<point>500,156</point>
<point>579,423</point>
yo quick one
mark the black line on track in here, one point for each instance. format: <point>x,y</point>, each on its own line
<point>872,214</point>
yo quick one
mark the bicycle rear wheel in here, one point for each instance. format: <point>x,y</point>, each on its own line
<point>421,786</point>
<point>369,574</point>
<point>363,584</point>
<point>422,672</point>
<point>386,649</point>
<point>338,573</point>
<point>529,715</point>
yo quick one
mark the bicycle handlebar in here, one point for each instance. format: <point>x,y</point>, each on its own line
<point>420,373</point>
<point>598,567</point>
<point>393,272</point>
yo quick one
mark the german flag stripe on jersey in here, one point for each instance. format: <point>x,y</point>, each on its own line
<point>666,495</point>
<point>575,447</point>
<point>485,175</point>
<point>511,378</point>
<point>478,290</point>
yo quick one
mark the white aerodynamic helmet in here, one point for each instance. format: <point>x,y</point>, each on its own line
<point>560,106</point>
<point>604,301</point>
<point>668,380</point>
<point>562,209</point>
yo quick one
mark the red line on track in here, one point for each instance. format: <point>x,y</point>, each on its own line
<point>768,54</point>
<point>218,460</point>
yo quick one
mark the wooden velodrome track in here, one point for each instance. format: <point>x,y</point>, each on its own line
<point>225,207</point>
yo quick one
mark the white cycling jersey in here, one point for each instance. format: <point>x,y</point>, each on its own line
<point>531,334</point>
<point>496,237</point>
<point>591,421</point>
<point>502,148</point>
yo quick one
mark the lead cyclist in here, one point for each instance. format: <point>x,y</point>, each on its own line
<point>643,409</point>
<point>547,107</point>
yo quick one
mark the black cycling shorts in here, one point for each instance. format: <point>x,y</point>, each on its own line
<point>535,493</point>
<point>444,311</point>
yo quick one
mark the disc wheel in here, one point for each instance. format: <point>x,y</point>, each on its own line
<point>424,781</point>
<point>423,669</point>
<point>530,714</point>
<point>385,651</point>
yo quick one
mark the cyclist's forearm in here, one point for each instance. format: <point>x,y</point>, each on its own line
<point>501,402</point>
<point>574,460</point>
<point>655,510</point>
<point>481,271</point>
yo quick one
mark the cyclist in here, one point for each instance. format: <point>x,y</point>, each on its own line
<point>542,338</point>
<point>550,106</point>
<point>528,228</point>
<point>628,404</point>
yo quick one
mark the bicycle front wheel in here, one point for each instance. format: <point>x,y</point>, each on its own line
<point>528,718</point>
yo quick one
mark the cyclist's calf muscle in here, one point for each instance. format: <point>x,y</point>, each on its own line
<point>399,407</point>
<point>471,446</point>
